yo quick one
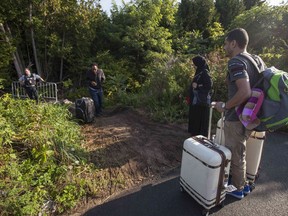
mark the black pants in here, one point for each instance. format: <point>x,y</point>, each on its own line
<point>32,93</point>
<point>198,120</point>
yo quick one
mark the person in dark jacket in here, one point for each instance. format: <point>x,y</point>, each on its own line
<point>200,98</point>
<point>95,78</point>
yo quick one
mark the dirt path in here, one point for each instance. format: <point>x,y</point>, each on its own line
<point>130,149</point>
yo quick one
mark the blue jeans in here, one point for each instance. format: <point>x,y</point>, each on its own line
<point>97,97</point>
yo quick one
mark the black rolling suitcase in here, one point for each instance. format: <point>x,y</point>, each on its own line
<point>85,109</point>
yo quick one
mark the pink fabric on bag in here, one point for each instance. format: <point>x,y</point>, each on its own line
<point>248,111</point>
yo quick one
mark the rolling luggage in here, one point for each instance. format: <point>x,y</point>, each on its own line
<point>254,147</point>
<point>85,109</point>
<point>204,170</point>
<point>219,136</point>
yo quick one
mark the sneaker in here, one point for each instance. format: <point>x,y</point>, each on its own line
<point>246,189</point>
<point>237,194</point>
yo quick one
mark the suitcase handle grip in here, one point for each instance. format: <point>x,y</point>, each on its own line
<point>206,141</point>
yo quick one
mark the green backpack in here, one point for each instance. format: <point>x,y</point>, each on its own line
<point>273,113</point>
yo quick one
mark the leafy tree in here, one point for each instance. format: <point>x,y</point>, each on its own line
<point>6,52</point>
<point>54,35</point>
<point>195,14</point>
<point>194,18</point>
<point>214,34</point>
<point>12,20</point>
<point>251,3</point>
<point>144,33</point>
<point>228,10</point>
<point>267,29</point>
<point>69,28</point>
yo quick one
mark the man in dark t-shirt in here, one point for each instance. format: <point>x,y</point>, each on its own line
<point>240,79</point>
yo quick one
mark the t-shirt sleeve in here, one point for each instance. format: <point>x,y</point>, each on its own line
<point>37,77</point>
<point>21,79</point>
<point>237,70</point>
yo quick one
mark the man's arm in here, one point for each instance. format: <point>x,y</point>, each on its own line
<point>102,76</point>
<point>42,80</point>
<point>243,93</point>
<point>39,78</point>
<point>21,80</point>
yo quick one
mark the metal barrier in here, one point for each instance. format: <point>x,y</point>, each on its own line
<point>47,90</point>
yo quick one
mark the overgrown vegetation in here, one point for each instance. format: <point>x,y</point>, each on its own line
<point>43,168</point>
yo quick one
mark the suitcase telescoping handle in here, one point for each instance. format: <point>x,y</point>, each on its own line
<point>212,106</point>
<point>204,141</point>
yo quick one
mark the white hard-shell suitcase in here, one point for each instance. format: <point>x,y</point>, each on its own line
<point>254,147</point>
<point>204,170</point>
<point>219,136</point>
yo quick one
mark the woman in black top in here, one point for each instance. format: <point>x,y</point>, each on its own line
<point>200,98</point>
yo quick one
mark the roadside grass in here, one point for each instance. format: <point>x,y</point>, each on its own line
<point>43,168</point>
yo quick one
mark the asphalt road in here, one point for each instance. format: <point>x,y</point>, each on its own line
<point>163,197</point>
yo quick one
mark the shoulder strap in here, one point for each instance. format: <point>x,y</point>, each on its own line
<point>252,60</point>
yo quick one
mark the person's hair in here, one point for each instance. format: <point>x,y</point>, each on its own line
<point>93,64</point>
<point>240,35</point>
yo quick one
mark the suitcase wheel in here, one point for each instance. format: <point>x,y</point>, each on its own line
<point>252,186</point>
<point>205,212</point>
<point>257,175</point>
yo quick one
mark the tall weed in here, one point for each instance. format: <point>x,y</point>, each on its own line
<point>40,159</point>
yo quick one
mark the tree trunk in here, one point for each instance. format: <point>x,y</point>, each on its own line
<point>39,71</point>
<point>62,58</point>
<point>16,60</point>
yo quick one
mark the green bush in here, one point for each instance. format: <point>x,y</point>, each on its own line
<point>165,89</point>
<point>41,163</point>
<point>164,93</point>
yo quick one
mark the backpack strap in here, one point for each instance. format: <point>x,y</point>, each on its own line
<point>256,62</point>
<point>252,59</point>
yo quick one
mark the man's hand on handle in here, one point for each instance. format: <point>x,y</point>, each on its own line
<point>219,106</point>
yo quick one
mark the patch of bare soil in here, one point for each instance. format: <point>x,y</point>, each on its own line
<point>130,149</point>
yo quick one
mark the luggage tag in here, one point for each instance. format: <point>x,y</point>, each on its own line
<point>230,188</point>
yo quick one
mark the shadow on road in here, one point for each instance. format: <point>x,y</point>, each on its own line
<point>163,198</point>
